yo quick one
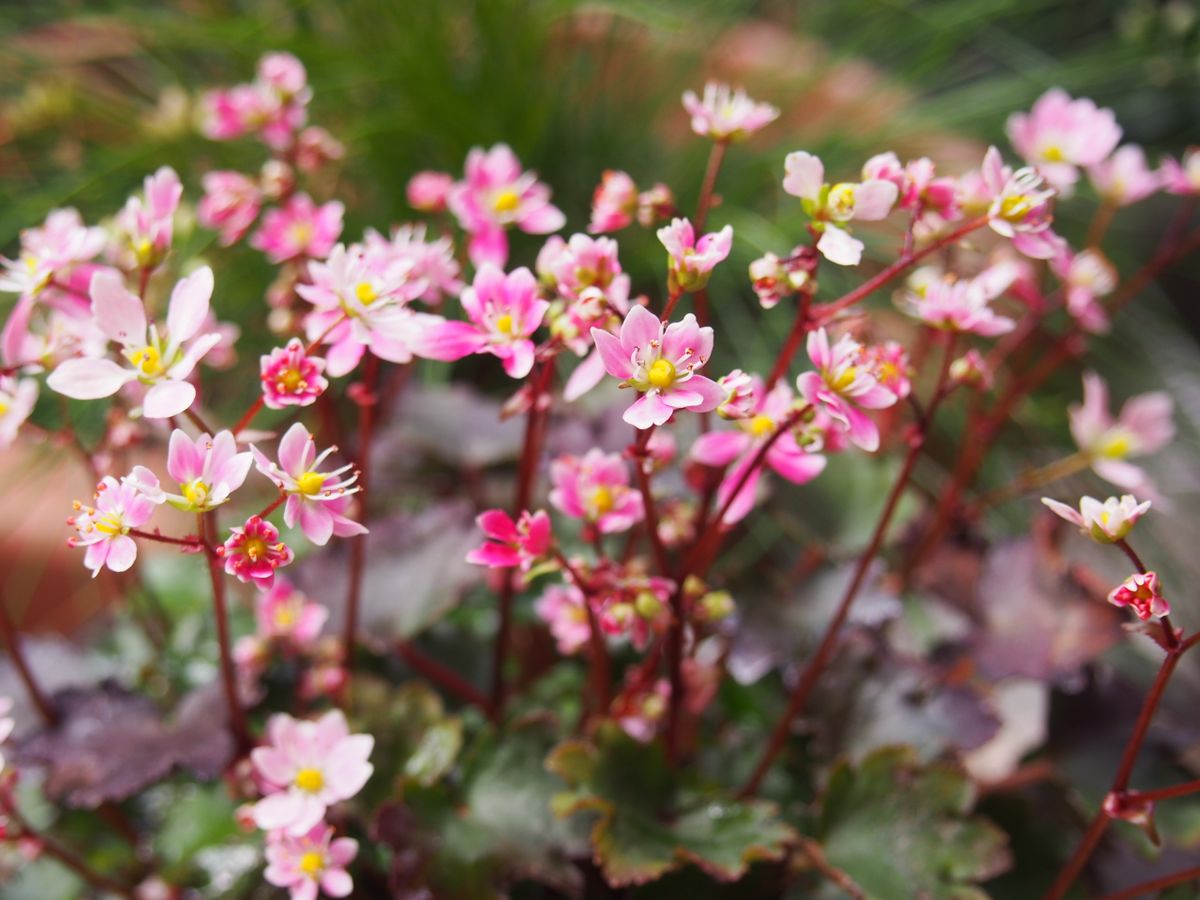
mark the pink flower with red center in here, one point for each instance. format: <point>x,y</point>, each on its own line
<point>1142,593</point>
<point>511,543</point>
<point>595,488</point>
<point>299,229</point>
<point>562,607</point>
<point>494,195</point>
<point>229,206</point>
<point>285,614</point>
<point>104,528</point>
<point>504,312</point>
<point>160,360</point>
<point>846,379</point>
<point>306,767</point>
<point>690,261</point>
<point>724,114</point>
<point>661,362</point>
<point>254,551</point>
<point>632,604</point>
<point>1106,522</point>
<point>17,398</point>
<point>614,202</point>
<point>1182,176</point>
<point>1087,276</point>
<point>311,864</point>
<point>290,377</point>
<point>1143,426</point>
<point>1060,134</point>
<point>640,712</point>
<point>51,251</point>
<point>830,206</point>
<point>960,305</point>
<point>429,191</point>
<point>208,470</point>
<point>1124,178</point>
<point>145,225</point>
<point>738,449</point>
<point>1018,206</point>
<point>314,498</point>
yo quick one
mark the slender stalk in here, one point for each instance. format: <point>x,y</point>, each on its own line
<point>60,854</point>
<point>672,301</point>
<point>237,716</point>
<point>358,547</point>
<point>441,675</point>
<point>651,509</point>
<point>1100,222</point>
<point>716,156</point>
<point>192,543</point>
<point>1168,793</point>
<point>600,669</point>
<point>195,418</point>
<point>1033,479</point>
<point>1146,888</point>
<point>800,327</point>
<point>16,652</point>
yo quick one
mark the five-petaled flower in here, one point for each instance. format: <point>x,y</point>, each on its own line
<point>310,864</point>
<point>1060,134</point>
<point>595,487</point>
<point>104,528</point>
<point>1106,522</point>
<point>520,543</point>
<point>690,261</point>
<point>253,552</point>
<point>1142,593</point>
<point>848,377</point>
<point>208,470</point>
<point>724,114</point>
<point>285,614</point>
<point>1144,426</point>
<point>290,377</point>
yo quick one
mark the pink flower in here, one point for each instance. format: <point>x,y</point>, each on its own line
<point>51,251</point>
<point>690,261</point>
<point>496,194</point>
<point>661,363</point>
<point>1124,178</point>
<point>504,311</point>
<point>1019,207</point>
<point>583,262</point>
<point>738,450</point>
<point>306,767</point>
<point>520,543</point>
<point>145,226</point>
<point>726,115</point>
<point>229,206</point>
<point>596,488</point>
<point>7,724</point>
<point>826,205</point>
<point>253,552</point>
<point>562,608</point>
<point>919,190</point>
<point>308,862</point>
<point>17,397</point>
<point>299,228</point>
<point>1143,593</point>
<point>1182,177</point>
<point>614,202</point>
<point>1106,522</point>
<point>428,191</point>
<point>971,370</point>
<point>846,379</point>
<point>1144,426</point>
<point>161,360</point>
<point>741,395</point>
<point>208,470</point>
<point>427,262</point>
<point>290,377</point>
<point>960,305</point>
<point>283,613</point>
<point>104,528</point>
<point>273,106</point>
<point>1059,134</point>
<point>312,495</point>
<point>640,714</point>
<point>889,362</point>
<point>773,278</point>
<point>1087,276</point>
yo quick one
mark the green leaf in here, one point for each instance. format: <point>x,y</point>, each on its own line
<point>902,830</point>
<point>412,732</point>
<point>195,818</point>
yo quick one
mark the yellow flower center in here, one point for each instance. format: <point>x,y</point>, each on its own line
<point>301,233</point>
<point>761,426</point>
<point>285,617</point>
<point>506,201</point>
<point>31,264</point>
<point>1116,447</point>
<point>365,293</point>
<point>147,360</point>
<point>602,499</point>
<point>196,492</point>
<point>310,483</point>
<point>255,548</point>
<point>661,374</point>
<point>310,780</point>
<point>110,524</point>
<point>291,380</point>
<point>1014,208</point>
<point>1053,153</point>
<point>311,863</point>
<point>505,324</point>
<point>144,251</point>
<point>3,408</point>
<point>841,200</point>
<point>844,380</point>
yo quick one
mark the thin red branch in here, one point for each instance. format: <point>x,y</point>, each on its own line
<point>16,653</point>
<point>1146,888</point>
<point>237,716</point>
<point>441,675</point>
<point>358,547</point>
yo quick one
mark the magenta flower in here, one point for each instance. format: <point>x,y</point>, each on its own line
<point>971,370</point>
<point>1087,276</point>
<point>1142,592</point>
<point>429,191</point>
<point>830,206</point>
<point>310,864</point>
<point>1144,426</point>
<point>690,261</point>
<point>273,106</point>
<point>846,379</point>
<point>595,487</point>
<point>1106,522</point>
<point>1019,206</point>
<point>146,224</point>
<point>312,495</point>
<point>614,202</point>
<point>661,363</point>
<point>496,194</point>
<point>1124,178</point>
<point>104,528</point>
<point>253,552</point>
<point>283,613</point>
<point>306,767</point>
<point>208,470</point>
<point>726,115</point>
<point>504,311</point>
<point>920,190</point>
<point>960,305</point>
<point>290,377</point>
<point>17,397</point>
<point>298,229</point>
<point>739,448</point>
<point>229,206</point>
<point>520,543</point>
<point>1060,134</point>
<point>51,251</point>
<point>160,360</point>
<point>1182,177</point>
<point>562,608</point>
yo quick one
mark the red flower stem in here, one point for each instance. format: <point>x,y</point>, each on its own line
<point>195,419</point>
<point>825,649</point>
<point>192,543</point>
<point>800,327</point>
<point>672,301</point>
<point>441,675</point>
<point>16,653</point>
<point>237,716</point>
<point>600,666</point>
<point>143,281</point>
<point>1168,793</point>
<point>273,505</point>
<point>716,156</point>
<point>640,460</point>
<point>358,546</point>
<point>1133,557</point>
<point>1146,888</point>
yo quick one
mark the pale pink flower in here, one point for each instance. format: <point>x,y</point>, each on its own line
<point>690,261</point>
<point>846,379</point>
<point>889,361</point>
<point>311,493</point>
<point>739,449</point>
<point>584,262</point>
<point>160,360</point>
<point>310,864</point>
<point>104,528</point>
<point>726,115</point>
<point>1087,276</point>
<point>306,767</point>
<point>773,278</point>
<point>298,229</point>
<point>1019,206</point>
<point>830,206</point>
<point>273,106</point>
<point>429,262</point>
<point>428,191</point>
<point>1124,178</point>
<point>39,334</point>
<point>1060,134</point>
<point>614,202</point>
<point>632,604</point>
<point>595,487</point>
<point>504,312</point>
<point>960,305</point>
<point>1106,522</point>
<point>655,205</point>
<point>208,470</point>
<point>51,251</point>
<point>230,113</point>
<point>661,363</point>
<point>254,551</point>
<point>1142,592</point>
<point>562,607</point>
<point>145,226</point>
<point>919,189</point>
<point>229,206</point>
<point>741,395</point>
<point>316,147</point>
<point>283,613</point>
<point>512,543</point>
<point>1182,177</point>
<point>290,377</point>
<point>1144,426</point>
<point>494,195</point>
<point>17,398</point>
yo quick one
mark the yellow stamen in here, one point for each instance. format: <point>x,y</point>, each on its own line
<point>311,863</point>
<point>1116,447</point>
<point>255,549</point>
<point>144,251</point>
<point>1014,208</point>
<point>661,374</point>
<point>291,380</point>
<point>285,617</point>
<point>310,483</point>
<point>110,524</point>
<point>310,780</point>
<point>147,360</point>
<point>196,492</point>
<point>3,408</point>
<point>505,324</point>
<point>844,380</point>
<point>301,233</point>
<point>365,293</point>
<point>1053,153</point>
<point>602,499</point>
<point>506,201</point>
<point>761,426</point>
